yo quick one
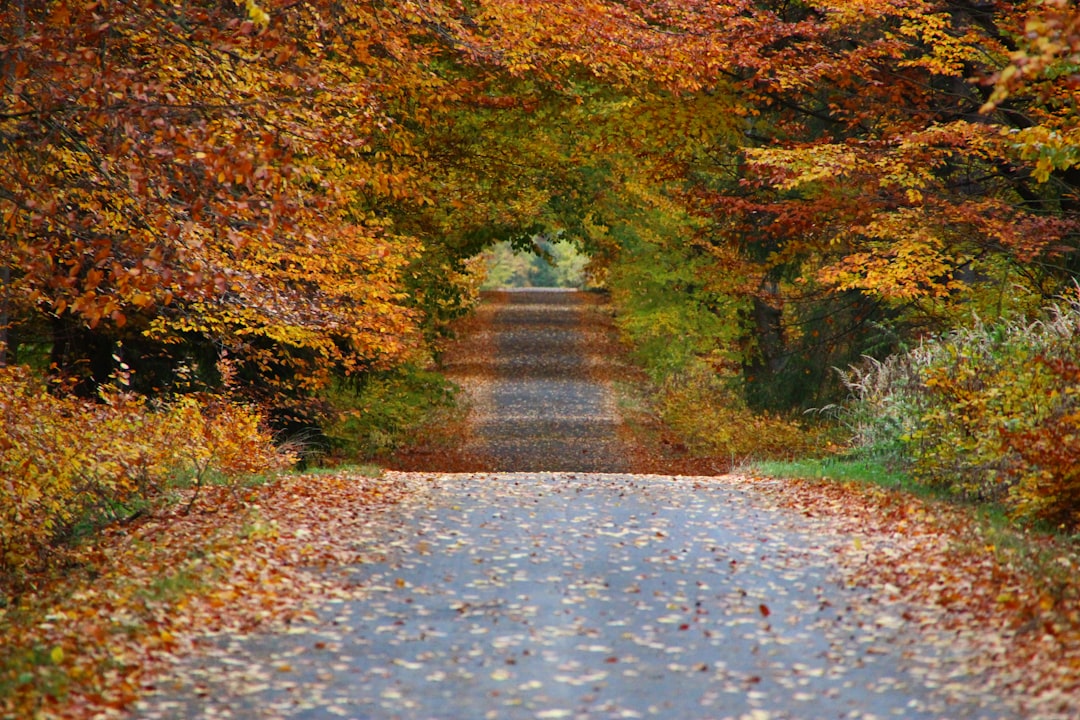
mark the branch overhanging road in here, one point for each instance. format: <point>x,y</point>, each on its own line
<point>563,586</point>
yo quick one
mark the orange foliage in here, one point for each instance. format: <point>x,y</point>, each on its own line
<point>1047,467</point>
<point>292,187</point>
<point>267,178</point>
<point>187,174</point>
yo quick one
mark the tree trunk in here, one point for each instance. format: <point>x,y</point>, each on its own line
<point>768,328</point>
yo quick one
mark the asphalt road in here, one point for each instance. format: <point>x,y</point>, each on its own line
<point>584,593</point>
<point>538,384</point>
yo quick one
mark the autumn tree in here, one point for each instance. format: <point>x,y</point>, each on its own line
<point>272,195</point>
<point>886,172</point>
<point>207,191</point>
<point>878,195</point>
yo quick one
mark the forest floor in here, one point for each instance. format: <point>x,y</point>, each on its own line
<point>566,569</point>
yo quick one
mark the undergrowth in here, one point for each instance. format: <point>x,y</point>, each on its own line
<point>383,412</point>
<point>682,329</point>
<point>988,413</point>
<point>713,420</point>
<point>988,418</point>
<point>71,466</point>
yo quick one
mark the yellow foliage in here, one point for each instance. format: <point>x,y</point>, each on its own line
<point>824,163</point>
<point>64,460</point>
<point>713,421</point>
<point>258,16</point>
<point>997,415</point>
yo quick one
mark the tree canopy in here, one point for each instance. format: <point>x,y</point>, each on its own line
<point>261,197</point>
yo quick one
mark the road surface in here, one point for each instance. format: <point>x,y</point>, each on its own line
<point>557,584</point>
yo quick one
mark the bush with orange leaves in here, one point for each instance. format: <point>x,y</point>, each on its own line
<point>67,462</point>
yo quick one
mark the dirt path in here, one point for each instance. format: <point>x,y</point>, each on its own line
<point>586,594</point>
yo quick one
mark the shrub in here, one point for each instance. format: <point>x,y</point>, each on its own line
<point>65,461</point>
<point>215,436</point>
<point>991,412</point>
<point>883,406</point>
<point>383,411</point>
<point>714,421</point>
<point>1046,457</point>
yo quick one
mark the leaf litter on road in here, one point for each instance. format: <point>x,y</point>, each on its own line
<point>572,595</point>
<point>146,590</point>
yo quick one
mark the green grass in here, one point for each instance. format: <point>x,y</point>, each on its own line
<point>368,470</point>
<point>842,468</point>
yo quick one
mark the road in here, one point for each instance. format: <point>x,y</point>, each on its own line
<point>538,386</point>
<point>559,585</point>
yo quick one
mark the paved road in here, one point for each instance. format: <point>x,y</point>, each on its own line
<point>579,594</point>
<point>538,384</point>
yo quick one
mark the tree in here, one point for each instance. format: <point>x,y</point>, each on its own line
<point>875,200</point>
<point>294,188</point>
<point>184,184</point>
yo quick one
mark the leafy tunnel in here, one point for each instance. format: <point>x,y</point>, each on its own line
<point>269,200</point>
